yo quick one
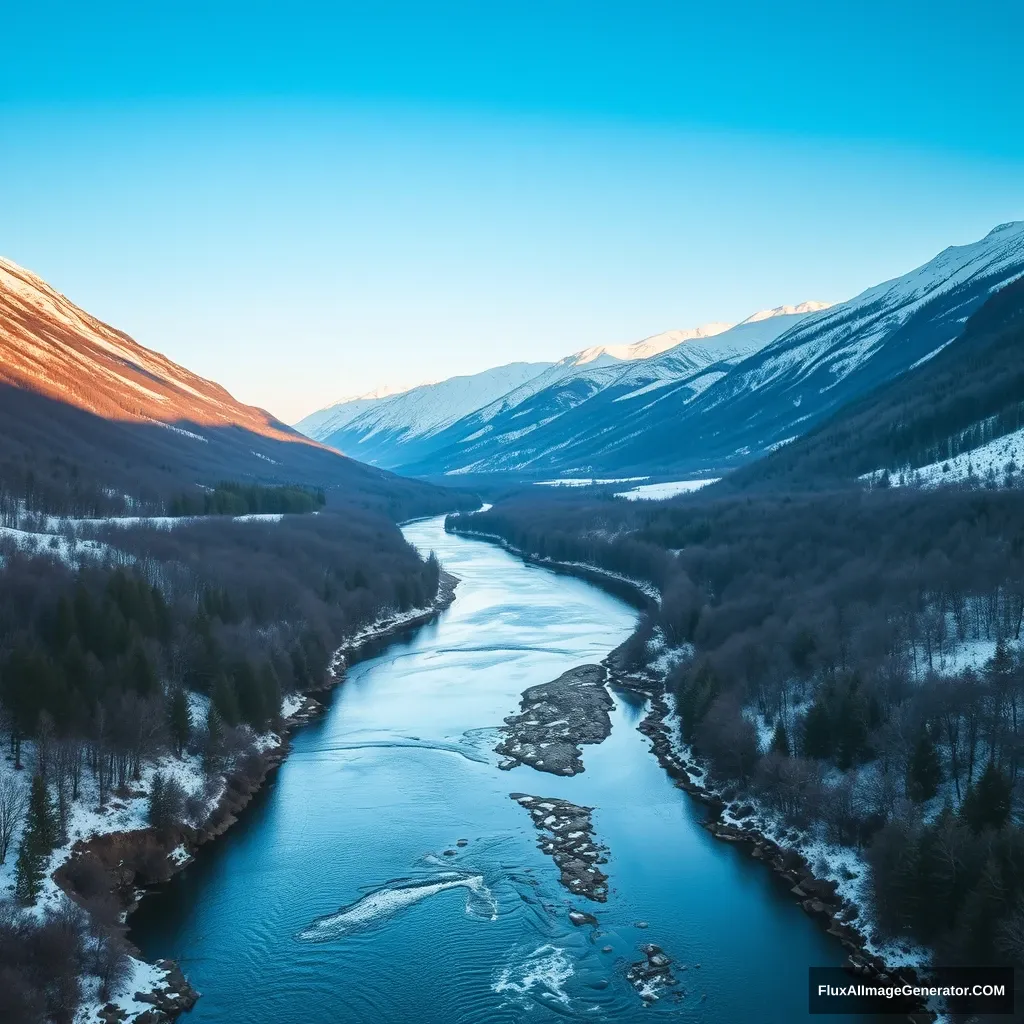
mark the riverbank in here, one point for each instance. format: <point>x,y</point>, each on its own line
<point>818,896</point>
<point>638,593</point>
<point>120,866</point>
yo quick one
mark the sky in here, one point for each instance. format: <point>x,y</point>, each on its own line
<point>305,202</point>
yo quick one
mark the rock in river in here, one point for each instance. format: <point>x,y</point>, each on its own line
<point>556,717</point>
<point>567,835</point>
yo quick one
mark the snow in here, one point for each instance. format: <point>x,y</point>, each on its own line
<point>291,705</point>
<point>990,464</point>
<point>124,811</point>
<point>588,482</point>
<point>422,410</point>
<point>846,335</point>
<point>658,492</point>
<point>72,552</point>
<point>470,403</point>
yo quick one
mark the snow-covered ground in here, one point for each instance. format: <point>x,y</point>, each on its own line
<point>574,481</point>
<point>841,864</point>
<point>66,540</point>
<point>385,623</point>
<point>997,463</point>
<point>658,492</point>
<point>57,546</point>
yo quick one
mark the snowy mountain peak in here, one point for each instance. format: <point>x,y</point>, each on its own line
<point>385,391</point>
<point>51,347</point>
<point>1010,227</point>
<point>644,349</point>
<point>811,306</point>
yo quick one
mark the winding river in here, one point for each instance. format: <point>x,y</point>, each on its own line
<point>333,899</point>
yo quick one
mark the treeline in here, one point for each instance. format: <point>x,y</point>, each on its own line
<point>58,489</point>
<point>235,499</point>
<point>968,394</point>
<point>821,672</point>
<point>239,612</point>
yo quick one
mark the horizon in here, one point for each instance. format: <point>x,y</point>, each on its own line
<point>302,216</point>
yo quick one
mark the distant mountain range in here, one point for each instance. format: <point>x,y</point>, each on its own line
<point>682,403</point>
<point>81,402</point>
<point>480,413</point>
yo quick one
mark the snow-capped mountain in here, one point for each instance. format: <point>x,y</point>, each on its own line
<point>833,356</point>
<point>650,346</point>
<point>709,404</point>
<point>81,398</point>
<point>52,347</point>
<point>408,420</point>
<point>324,422</point>
<point>396,434</point>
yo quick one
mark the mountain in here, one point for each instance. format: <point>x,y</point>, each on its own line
<point>558,420</point>
<point>734,403</point>
<point>322,423</point>
<point>653,345</point>
<point>957,414</point>
<point>371,429</point>
<point>436,428</point>
<point>81,401</point>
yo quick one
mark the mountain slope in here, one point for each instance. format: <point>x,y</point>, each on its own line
<point>563,418</point>
<point>710,405</point>
<point>81,401</point>
<point>373,430</point>
<point>833,357</point>
<point>726,415</point>
<point>962,401</point>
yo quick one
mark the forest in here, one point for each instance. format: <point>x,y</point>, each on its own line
<point>230,498</point>
<point>124,647</point>
<point>822,649</point>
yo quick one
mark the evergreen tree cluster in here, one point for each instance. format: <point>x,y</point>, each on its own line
<point>235,499</point>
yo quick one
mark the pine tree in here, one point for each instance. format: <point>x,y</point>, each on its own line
<point>225,700</point>
<point>925,772</point>
<point>780,741</point>
<point>987,804</point>
<point>179,720</point>
<point>817,732</point>
<point>37,842</point>
<point>214,741</point>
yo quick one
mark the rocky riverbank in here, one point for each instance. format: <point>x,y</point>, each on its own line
<point>567,836</point>
<point>554,719</point>
<point>117,867</point>
<point>818,897</point>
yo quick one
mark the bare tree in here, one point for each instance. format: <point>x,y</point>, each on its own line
<point>13,802</point>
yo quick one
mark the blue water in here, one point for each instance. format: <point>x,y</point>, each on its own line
<point>332,899</point>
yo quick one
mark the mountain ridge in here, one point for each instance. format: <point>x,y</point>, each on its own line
<point>86,409</point>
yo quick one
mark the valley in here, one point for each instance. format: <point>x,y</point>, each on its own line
<point>821,645</point>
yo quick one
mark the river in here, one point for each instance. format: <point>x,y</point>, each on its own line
<point>332,899</point>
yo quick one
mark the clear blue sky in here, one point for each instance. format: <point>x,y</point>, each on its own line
<point>305,202</point>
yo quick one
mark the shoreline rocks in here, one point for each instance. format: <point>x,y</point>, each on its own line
<point>816,896</point>
<point>554,719</point>
<point>566,835</point>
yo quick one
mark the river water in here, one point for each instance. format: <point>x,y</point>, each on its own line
<point>332,899</point>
